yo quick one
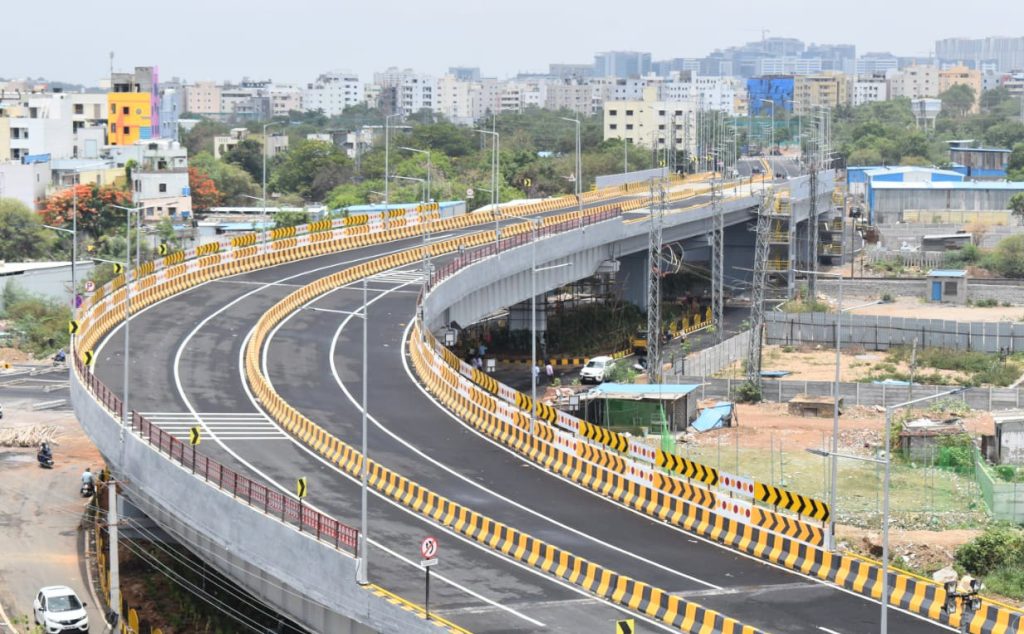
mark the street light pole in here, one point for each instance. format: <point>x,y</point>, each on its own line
<point>266,148</point>
<point>426,235</point>
<point>771,135</point>
<point>427,152</point>
<point>387,167</point>
<point>495,191</point>
<point>579,164</point>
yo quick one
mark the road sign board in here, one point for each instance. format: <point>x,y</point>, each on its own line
<point>300,487</point>
<point>194,436</point>
<point>162,249</point>
<point>88,356</point>
<point>118,268</point>
<point>470,193</point>
<point>428,547</point>
<point>426,563</point>
<point>625,626</point>
<point>527,182</point>
<point>72,327</point>
<point>90,286</point>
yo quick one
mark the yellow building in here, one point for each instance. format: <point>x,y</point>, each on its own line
<point>129,117</point>
<point>961,75</point>
<point>828,89</point>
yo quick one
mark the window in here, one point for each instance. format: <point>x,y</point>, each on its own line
<point>138,185</point>
<point>629,113</point>
<point>613,126</point>
<point>612,113</point>
<point>127,130</point>
<point>79,108</point>
<point>949,288</point>
<point>163,188</point>
<point>661,126</point>
<point>113,108</point>
<point>629,126</point>
<point>113,128</point>
<point>126,110</point>
<point>679,113</point>
<point>661,113</point>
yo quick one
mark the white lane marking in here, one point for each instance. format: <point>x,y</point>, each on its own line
<point>423,456</point>
<point>287,489</point>
<point>690,536</point>
<point>825,629</point>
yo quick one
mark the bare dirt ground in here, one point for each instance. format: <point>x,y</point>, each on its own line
<point>13,355</point>
<point>40,513</point>
<point>916,308</point>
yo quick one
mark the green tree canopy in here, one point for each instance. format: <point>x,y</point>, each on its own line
<point>1016,206</point>
<point>22,234</point>
<point>311,169</point>
<point>1008,257</point>
<point>958,100</point>
<point>233,183</point>
<point>248,155</point>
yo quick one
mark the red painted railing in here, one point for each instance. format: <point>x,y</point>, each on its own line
<point>270,501</point>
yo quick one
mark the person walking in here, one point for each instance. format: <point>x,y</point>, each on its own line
<point>549,370</point>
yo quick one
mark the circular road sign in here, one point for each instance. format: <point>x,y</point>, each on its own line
<point>428,548</point>
<point>90,286</point>
<point>470,193</point>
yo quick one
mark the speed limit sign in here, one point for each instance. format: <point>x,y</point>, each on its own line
<point>90,286</point>
<point>428,548</point>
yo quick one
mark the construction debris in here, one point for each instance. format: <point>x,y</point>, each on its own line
<point>28,435</point>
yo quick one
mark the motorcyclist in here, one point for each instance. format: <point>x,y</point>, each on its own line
<point>45,454</point>
<point>87,478</point>
<point>60,357</point>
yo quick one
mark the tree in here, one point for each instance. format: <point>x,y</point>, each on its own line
<point>1016,206</point>
<point>205,195</point>
<point>22,235</point>
<point>958,100</point>
<point>200,137</point>
<point>311,169</point>
<point>248,155</point>
<point>1008,257</point>
<point>290,219</point>
<point>96,212</point>
<point>232,182</point>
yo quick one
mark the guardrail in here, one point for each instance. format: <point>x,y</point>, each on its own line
<point>326,529</point>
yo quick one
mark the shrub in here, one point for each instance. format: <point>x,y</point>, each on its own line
<point>998,546</point>
<point>747,392</point>
<point>620,372</point>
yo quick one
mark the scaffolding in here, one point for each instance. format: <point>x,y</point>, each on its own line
<point>762,248</point>
<point>654,284</point>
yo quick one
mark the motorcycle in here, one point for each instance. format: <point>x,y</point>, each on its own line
<point>88,490</point>
<point>45,460</point>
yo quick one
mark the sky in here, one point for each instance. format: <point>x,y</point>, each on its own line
<point>292,41</point>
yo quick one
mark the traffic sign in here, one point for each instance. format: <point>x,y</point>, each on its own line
<point>88,357</point>
<point>470,193</point>
<point>194,436</point>
<point>162,249</point>
<point>72,327</point>
<point>118,268</point>
<point>428,547</point>
<point>625,626</point>
<point>527,182</point>
<point>300,487</point>
<point>90,286</point>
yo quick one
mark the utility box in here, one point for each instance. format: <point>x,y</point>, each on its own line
<point>947,286</point>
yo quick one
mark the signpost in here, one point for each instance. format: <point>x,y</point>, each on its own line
<point>90,286</point>
<point>300,491</point>
<point>428,549</point>
<point>194,437</point>
<point>625,626</point>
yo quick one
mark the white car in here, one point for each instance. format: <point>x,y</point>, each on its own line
<point>58,609</point>
<point>594,371</point>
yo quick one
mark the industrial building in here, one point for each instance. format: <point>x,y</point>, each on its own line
<point>888,200</point>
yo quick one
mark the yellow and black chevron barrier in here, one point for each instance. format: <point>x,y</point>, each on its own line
<point>799,504</point>
<point>244,240</point>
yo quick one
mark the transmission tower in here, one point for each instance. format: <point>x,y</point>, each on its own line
<point>654,285</point>
<point>717,262</point>
<point>757,288</point>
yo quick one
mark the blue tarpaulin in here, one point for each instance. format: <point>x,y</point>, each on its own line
<point>774,374</point>
<point>712,417</point>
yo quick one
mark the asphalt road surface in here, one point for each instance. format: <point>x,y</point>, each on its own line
<point>186,360</point>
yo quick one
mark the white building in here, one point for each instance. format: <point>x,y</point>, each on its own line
<point>203,97</point>
<point>648,122</point>
<point>332,92</point>
<point>706,93</point>
<point>37,124</point>
<point>407,92</point>
<point>869,89</point>
<point>163,193</point>
<point>915,82</point>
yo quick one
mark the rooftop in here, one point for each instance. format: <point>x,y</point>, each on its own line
<point>639,392</point>
<point>941,185</point>
<point>946,273</point>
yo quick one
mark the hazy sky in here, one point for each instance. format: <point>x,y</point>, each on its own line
<point>294,40</point>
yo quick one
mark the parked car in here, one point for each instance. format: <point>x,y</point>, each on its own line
<point>58,609</point>
<point>595,370</point>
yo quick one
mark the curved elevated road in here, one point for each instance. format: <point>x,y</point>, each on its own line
<point>186,362</point>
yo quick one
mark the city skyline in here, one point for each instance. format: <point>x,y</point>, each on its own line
<point>226,42</point>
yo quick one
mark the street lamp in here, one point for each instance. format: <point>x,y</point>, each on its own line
<point>799,126</point>
<point>387,163</point>
<point>884,628</point>
<point>263,217</point>
<point>265,150</point>
<point>771,143</point>
<point>74,256</point>
<point>835,406</point>
<point>579,164</point>
<point>74,230</point>
<point>495,189</point>
<point>362,573</point>
<point>425,233</point>
<point>427,152</point>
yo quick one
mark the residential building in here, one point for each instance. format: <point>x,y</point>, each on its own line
<point>222,144</point>
<point>276,143</point>
<point>129,117</point>
<point>961,76</point>
<point>647,122</point>
<point>665,68</point>
<point>162,193</point>
<point>775,89</point>
<point>172,105</point>
<point>284,99</point>
<point>406,92</point>
<point>1007,53</point>
<point>706,93</point>
<point>38,124</point>
<point>203,97</point>
<point>569,95</point>
<point>577,72</point>
<point>915,82</point>
<point>454,99</point>
<point>826,89</point>
<point>465,73</point>
<point>870,88</point>
<point>622,64</point>
<point>332,92</point>
<point>27,182</point>
<point>788,66</point>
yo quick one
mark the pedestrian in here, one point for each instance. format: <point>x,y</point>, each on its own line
<point>482,349</point>
<point>550,371</point>
<point>536,373</point>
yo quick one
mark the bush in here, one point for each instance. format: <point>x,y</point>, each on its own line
<point>998,546</point>
<point>747,392</point>
<point>986,303</point>
<point>620,372</point>
<point>41,324</point>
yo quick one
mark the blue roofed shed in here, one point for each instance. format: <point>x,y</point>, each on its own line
<point>947,286</point>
